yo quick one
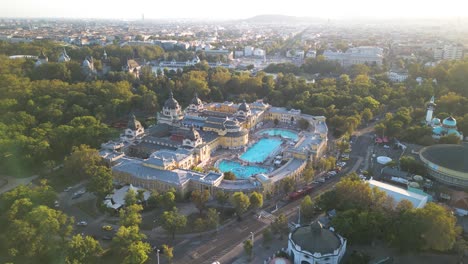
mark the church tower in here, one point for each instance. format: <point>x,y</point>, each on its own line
<point>430,109</point>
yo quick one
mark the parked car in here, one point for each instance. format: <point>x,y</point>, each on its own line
<point>82,223</point>
<point>67,189</point>
<point>56,204</point>
<point>107,227</point>
<point>106,238</point>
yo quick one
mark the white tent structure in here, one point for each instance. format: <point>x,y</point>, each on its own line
<point>117,199</point>
<point>383,160</point>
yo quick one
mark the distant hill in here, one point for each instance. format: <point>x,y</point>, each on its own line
<point>271,18</point>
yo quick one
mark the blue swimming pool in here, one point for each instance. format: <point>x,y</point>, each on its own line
<point>280,132</point>
<point>261,150</point>
<point>241,172</point>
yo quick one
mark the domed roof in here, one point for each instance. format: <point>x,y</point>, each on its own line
<point>244,107</point>
<point>133,124</point>
<point>449,121</point>
<point>437,130</point>
<point>436,121</point>
<point>316,239</point>
<point>171,103</point>
<point>453,131</point>
<point>196,100</point>
<point>193,134</point>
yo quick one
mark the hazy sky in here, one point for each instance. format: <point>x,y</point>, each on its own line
<point>219,9</point>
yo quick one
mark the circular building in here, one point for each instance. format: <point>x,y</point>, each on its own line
<point>447,163</point>
<point>314,244</point>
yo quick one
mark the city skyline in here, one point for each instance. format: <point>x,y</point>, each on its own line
<point>210,9</point>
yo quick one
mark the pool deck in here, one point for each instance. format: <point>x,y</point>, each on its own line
<point>255,135</point>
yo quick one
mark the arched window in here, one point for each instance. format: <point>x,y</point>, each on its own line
<point>305,262</point>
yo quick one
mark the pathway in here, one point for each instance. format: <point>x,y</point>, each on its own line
<point>13,182</point>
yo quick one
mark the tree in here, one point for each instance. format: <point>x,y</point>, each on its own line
<point>137,253</point>
<point>307,209</point>
<point>280,226</point>
<point>141,196</point>
<point>168,252</point>
<point>450,139</point>
<point>212,218</point>
<point>125,237</point>
<point>441,228</point>
<point>366,114</point>
<point>80,161</point>
<point>101,181</point>
<point>248,248</point>
<point>256,200</point>
<point>167,200</point>
<point>130,215</point>
<point>199,224</point>
<point>130,197</point>
<point>173,221</point>
<point>240,202</point>
<point>229,176</point>
<point>82,250</point>
<point>222,198</point>
<point>200,198</point>
<point>40,232</point>
<point>308,173</point>
<point>288,185</point>
<point>267,236</point>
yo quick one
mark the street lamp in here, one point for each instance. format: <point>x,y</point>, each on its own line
<point>252,237</point>
<point>157,254</point>
<point>217,223</point>
<point>299,218</point>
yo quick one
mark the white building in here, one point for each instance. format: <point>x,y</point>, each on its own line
<point>397,76</point>
<point>398,194</point>
<point>248,51</point>
<point>448,52</point>
<point>359,55</point>
<point>314,244</point>
<point>259,52</point>
<point>134,130</point>
<point>311,54</point>
<point>453,52</point>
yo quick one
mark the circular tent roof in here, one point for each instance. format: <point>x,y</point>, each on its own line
<point>450,156</point>
<point>383,160</point>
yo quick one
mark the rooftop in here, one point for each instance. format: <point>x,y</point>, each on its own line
<point>450,156</point>
<point>399,194</point>
<point>316,239</point>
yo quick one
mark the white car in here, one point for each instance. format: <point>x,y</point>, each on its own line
<point>386,146</point>
<point>82,223</point>
<point>67,189</point>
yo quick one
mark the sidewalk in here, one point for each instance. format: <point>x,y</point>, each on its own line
<point>261,253</point>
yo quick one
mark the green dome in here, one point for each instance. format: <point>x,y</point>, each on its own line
<point>449,121</point>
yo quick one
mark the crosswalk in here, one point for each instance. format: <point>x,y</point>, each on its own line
<point>266,217</point>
